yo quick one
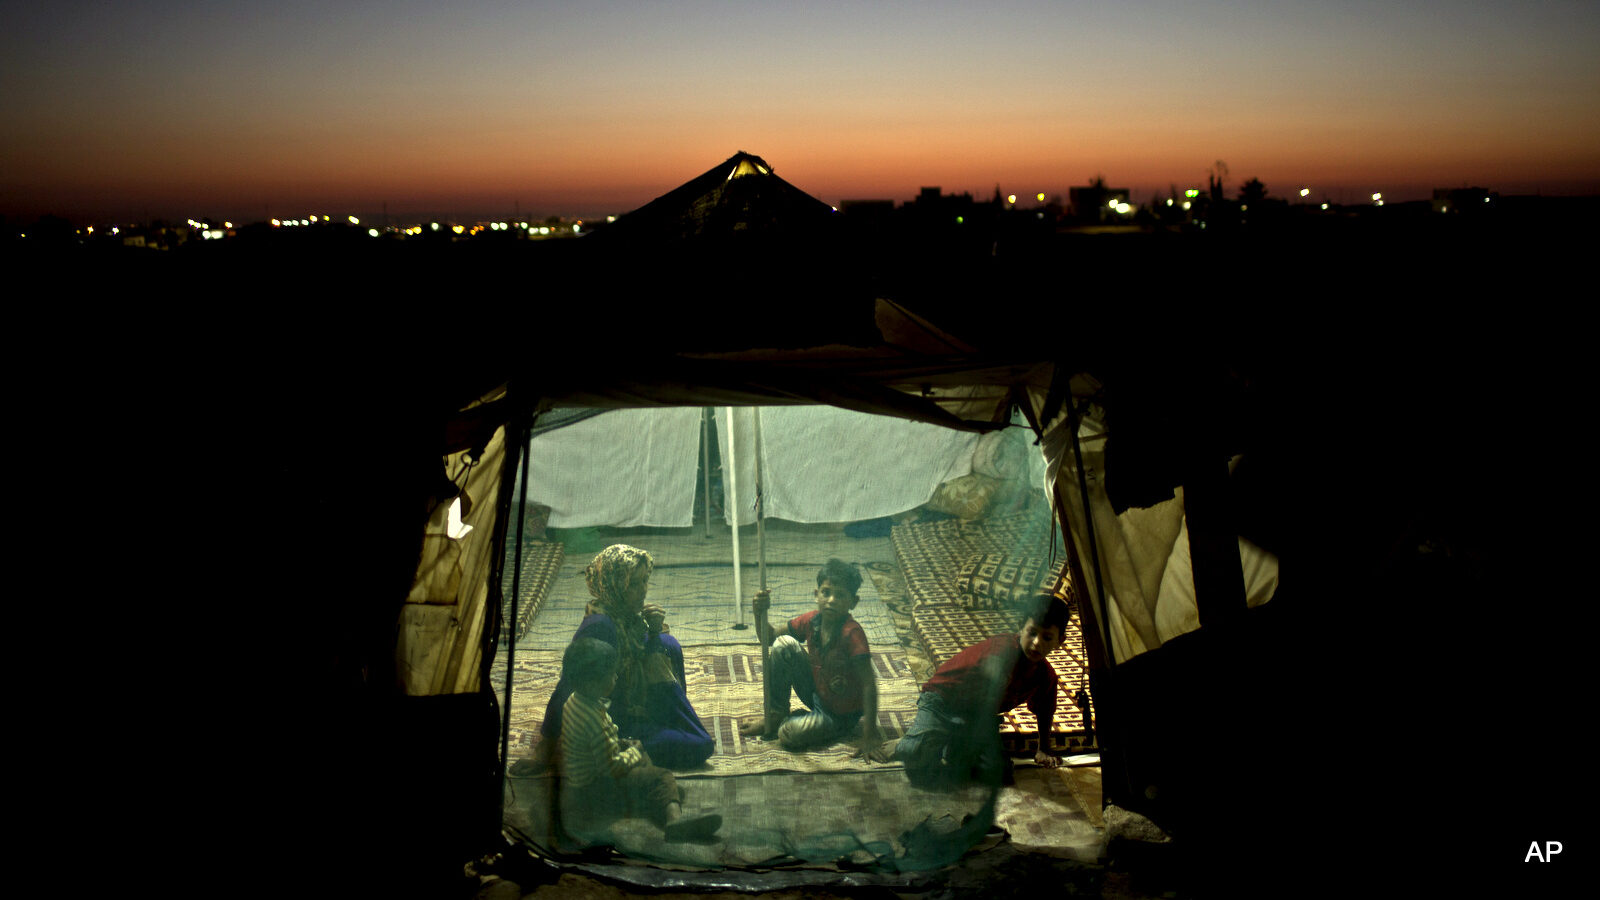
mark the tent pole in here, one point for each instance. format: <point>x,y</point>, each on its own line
<point>761,510</point>
<point>761,554</point>
<point>516,592</point>
<point>731,467</point>
<point>705,461</point>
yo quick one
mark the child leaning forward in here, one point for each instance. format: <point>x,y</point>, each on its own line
<point>955,738</point>
<point>821,656</point>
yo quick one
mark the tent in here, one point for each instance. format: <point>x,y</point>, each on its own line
<point>457,428</point>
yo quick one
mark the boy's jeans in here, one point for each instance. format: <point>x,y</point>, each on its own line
<point>789,669</point>
<point>943,748</point>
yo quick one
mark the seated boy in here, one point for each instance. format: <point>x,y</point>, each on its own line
<point>955,737</point>
<point>821,655</point>
<point>603,779</point>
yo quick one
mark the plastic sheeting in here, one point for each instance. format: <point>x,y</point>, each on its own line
<point>825,464</point>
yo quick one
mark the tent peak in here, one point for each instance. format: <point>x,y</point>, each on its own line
<point>748,164</point>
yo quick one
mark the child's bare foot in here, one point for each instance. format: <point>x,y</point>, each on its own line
<point>766,727</point>
<point>759,729</point>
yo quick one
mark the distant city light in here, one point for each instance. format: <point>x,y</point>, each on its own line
<point>434,225</point>
<point>960,219</point>
<point>354,220</point>
<point>1324,206</point>
<point>458,228</point>
<point>1486,199</point>
<point>227,224</point>
<point>1305,192</point>
<point>1039,196</point>
<point>1377,197</point>
<point>372,232</point>
<point>304,222</point>
<point>1169,203</point>
<point>1011,198</point>
<point>115,230</point>
<point>543,229</point>
<point>611,218</point>
<point>1123,208</point>
<point>1191,193</point>
<point>1187,204</point>
<point>575,227</point>
<point>212,234</point>
<point>1113,203</point>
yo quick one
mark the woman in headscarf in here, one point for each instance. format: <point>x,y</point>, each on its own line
<point>649,703</point>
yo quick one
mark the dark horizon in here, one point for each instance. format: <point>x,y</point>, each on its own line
<point>373,214</point>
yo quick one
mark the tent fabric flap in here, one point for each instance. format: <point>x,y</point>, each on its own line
<point>1132,549</point>
<point>1142,553</point>
<point>439,650</point>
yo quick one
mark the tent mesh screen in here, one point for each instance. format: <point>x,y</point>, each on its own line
<point>951,535</point>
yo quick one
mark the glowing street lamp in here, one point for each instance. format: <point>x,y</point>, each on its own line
<point>1305,192</point>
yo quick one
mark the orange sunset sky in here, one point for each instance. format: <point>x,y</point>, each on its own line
<point>479,109</point>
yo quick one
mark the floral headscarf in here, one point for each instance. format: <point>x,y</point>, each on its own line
<point>609,574</point>
<point>608,577</point>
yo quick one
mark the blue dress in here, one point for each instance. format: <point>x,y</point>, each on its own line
<point>654,711</point>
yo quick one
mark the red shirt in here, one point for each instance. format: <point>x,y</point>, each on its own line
<point>963,680</point>
<point>831,671</point>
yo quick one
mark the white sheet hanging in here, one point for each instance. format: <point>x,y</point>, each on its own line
<point>625,467</point>
<point>825,464</point>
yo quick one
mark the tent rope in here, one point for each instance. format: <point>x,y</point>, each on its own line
<point>1081,697</point>
<point>1094,556</point>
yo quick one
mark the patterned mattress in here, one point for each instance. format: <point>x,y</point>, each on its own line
<point>540,562</point>
<point>930,554</point>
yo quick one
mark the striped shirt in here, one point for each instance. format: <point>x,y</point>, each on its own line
<point>589,746</point>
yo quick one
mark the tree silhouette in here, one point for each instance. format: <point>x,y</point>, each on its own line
<point>1252,191</point>
<point>1217,178</point>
